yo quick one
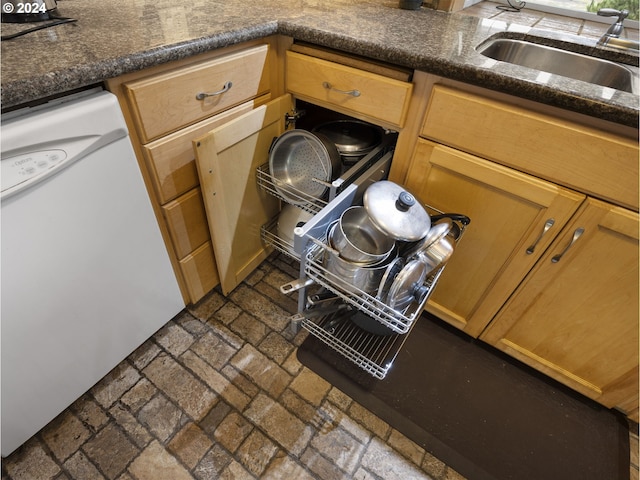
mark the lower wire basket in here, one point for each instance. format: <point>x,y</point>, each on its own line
<point>373,352</point>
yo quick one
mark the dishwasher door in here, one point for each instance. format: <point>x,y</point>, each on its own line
<point>85,273</point>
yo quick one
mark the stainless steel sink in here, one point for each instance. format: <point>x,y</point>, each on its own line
<point>562,62</point>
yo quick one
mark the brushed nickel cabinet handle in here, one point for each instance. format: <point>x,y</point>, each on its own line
<point>353,93</point>
<point>547,225</point>
<point>202,95</point>
<point>576,235</point>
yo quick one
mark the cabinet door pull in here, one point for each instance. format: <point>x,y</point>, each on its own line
<point>202,95</point>
<point>547,225</point>
<point>353,93</point>
<point>576,235</point>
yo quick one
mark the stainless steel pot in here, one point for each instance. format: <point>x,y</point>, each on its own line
<point>353,138</point>
<point>355,276</point>
<point>289,218</point>
<point>302,164</point>
<point>357,239</point>
<point>396,212</point>
<point>438,248</point>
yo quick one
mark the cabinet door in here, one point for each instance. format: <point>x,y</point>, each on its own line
<point>576,318</point>
<point>508,211</point>
<point>227,159</point>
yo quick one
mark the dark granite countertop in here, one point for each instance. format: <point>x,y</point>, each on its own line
<point>121,36</point>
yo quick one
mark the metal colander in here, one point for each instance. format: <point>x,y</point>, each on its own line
<point>301,163</point>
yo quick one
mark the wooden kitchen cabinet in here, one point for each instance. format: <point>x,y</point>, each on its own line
<point>164,115</point>
<point>166,102</point>
<point>576,318</point>
<point>353,91</point>
<point>580,157</point>
<point>187,222</point>
<point>508,211</point>
<point>512,169</point>
<point>227,160</point>
<point>228,157</point>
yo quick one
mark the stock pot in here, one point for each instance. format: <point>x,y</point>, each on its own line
<point>353,138</point>
<point>358,240</point>
<point>396,212</point>
<point>365,277</point>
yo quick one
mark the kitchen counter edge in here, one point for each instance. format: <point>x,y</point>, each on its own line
<point>53,83</point>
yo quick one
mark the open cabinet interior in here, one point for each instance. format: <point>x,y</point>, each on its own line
<point>253,209</point>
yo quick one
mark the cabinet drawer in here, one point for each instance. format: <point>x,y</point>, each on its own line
<point>167,102</point>
<point>187,222</point>
<point>171,160</point>
<point>380,98</point>
<point>200,271</point>
<point>564,152</point>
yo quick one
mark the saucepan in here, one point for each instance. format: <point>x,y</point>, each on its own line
<point>353,138</point>
<point>437,247</point>
<point>396,212</point>
<point>353,276</point>
<point>357,239</point>
<point>290,217</point>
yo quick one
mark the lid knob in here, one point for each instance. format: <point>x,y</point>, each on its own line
<point>405,201</point>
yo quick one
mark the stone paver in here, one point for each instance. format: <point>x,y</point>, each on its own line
<point>279,424</point>
<point>31,463</point>
<point>218,393</point>
<point>190,444</point>
<point>65,435</point>
<point>180,385</point>
<point>264,372</point>
<point>111,451</point>
<point>81,467</point>
<point>379,460</point>
<point>310,386</point>
<point>155,463</point>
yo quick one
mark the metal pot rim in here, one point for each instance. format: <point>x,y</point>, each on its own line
<point>346,149</point>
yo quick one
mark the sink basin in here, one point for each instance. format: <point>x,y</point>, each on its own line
<point>561,62</point>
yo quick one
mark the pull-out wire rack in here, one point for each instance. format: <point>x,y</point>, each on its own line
<point>375,348</point>
<point>395,320</point>
<point>362,327</point>
<point>372,352</point>
<point>269,236</point>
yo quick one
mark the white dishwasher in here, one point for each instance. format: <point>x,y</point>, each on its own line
<point>85,275</point>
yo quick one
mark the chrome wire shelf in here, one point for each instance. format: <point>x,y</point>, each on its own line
<point>274,187</point>
<point>269,235</point>
<point>398,321</point>
<point>371,352</point>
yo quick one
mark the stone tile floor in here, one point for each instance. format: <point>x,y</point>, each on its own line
<point>218,393</point>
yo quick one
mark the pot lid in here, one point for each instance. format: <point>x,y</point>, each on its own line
<point>396,212</point>
<point>393,269</point>
<point>436,233</point>
<point>351,136</point>
<point>407,285</point>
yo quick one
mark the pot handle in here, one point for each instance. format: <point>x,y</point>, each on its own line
<point>455,217</point>
<point>295,285</point>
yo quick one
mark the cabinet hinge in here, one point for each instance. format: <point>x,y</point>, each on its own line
<point>293,116</point>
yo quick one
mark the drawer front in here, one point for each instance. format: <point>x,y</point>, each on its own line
<point>187,222</point>
<point>573,155</point>
<point>200,272</point>
<point>171,160</point>
<point>380,98</point>
<point>166,102</point>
